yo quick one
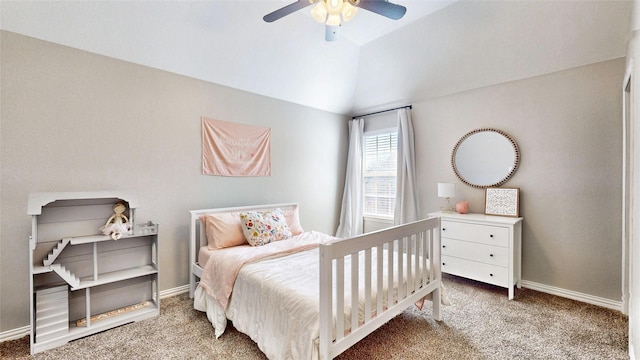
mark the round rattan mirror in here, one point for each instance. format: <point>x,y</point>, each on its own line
<point>485,158</point>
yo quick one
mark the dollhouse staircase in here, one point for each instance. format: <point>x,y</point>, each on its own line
<point>65,274</point>
<point>60,269</point>
<point>53,255</point>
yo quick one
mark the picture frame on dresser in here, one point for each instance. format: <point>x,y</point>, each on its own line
<point>502,202</point>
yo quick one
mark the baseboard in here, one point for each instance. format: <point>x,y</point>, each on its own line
<point>574,295</point>
<point>25,330</point>
<point>175,291</point>
<point>15,333</point>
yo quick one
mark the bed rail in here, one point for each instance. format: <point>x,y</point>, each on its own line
<point>406,249</point>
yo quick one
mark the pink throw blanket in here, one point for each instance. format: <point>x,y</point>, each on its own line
<point>223,266</point>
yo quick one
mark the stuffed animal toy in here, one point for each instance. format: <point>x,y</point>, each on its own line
<point>118,223</point>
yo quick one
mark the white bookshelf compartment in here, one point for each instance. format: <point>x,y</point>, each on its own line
<point>109,297</point>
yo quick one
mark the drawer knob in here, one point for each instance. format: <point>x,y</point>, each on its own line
<point>444,246</point>
<point>491,255</point>
<point>491,275</point>
<point>443,264</point>
<point>443,229</point>
<point>491,235</point>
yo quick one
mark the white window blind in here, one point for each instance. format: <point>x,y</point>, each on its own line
<point>380,158</point>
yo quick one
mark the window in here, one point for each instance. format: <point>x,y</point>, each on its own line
<point>380,158</point>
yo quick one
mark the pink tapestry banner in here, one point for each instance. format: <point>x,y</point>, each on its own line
<point>230,149</point>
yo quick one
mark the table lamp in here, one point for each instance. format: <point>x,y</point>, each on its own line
<point>447,190</point>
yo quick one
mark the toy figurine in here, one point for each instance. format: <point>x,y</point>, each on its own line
<point>118,223</point>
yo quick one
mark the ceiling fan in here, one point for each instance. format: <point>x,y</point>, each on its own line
<point>333,12</point>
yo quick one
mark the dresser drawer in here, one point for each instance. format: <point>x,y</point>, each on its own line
<point>487,273</point>
<point>485,234</point>
<point>488,254</point>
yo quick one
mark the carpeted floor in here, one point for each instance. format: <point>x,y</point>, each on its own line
<point>480,324</point>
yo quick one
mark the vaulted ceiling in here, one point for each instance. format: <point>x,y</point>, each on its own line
<point>438,48</point>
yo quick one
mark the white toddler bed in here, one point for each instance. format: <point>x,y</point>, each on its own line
<point>294,297</point>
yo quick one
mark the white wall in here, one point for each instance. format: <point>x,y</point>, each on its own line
<point>75,121</point>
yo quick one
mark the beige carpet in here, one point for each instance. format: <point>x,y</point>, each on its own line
<point>480,324</point>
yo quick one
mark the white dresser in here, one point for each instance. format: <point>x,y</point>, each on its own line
<point>485,248</point>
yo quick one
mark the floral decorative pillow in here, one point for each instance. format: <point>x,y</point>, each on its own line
<point>261,228</point>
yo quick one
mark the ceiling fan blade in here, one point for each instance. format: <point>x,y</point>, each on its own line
<point>384,8</point>
<point>282,12</point>
<point>331,33</point>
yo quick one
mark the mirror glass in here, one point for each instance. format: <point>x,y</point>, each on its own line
<point>485,158</point>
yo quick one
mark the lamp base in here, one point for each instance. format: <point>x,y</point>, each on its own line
<point>448,209</point>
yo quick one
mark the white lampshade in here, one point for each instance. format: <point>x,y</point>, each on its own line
<point>348,11</point>
<point>333,20</point>
<point>319,12</point>
<point>334,7</point>
<point>446,190</point>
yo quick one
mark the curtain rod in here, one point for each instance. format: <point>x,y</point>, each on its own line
<point>383,111</point>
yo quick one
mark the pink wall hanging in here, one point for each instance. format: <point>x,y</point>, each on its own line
<point>230,149</point>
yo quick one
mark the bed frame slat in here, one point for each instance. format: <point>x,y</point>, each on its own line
<point>401,254</point>
<point>367,285</point>
<point>355,286</point>
<point>379,261</point>
<point>390,276</point>
<point>339,298</point>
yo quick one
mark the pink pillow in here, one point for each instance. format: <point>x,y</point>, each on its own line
<point>293,221</point>
<point>223,230</point>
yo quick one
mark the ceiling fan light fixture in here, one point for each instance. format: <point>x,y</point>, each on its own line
<point>333,12</point>
<point>319,12</point>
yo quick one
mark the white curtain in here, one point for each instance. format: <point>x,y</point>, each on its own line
<point>406,186</point>
<point>352,198</point>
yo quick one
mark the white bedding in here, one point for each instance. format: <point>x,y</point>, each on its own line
<point>275,302</point>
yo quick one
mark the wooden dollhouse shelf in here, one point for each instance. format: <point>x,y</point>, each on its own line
<point>114,273</point>
<point>88,239</point>
<point>111,277</point>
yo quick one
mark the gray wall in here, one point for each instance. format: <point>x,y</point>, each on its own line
<point>75,121</point>
<point>568,126</point>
